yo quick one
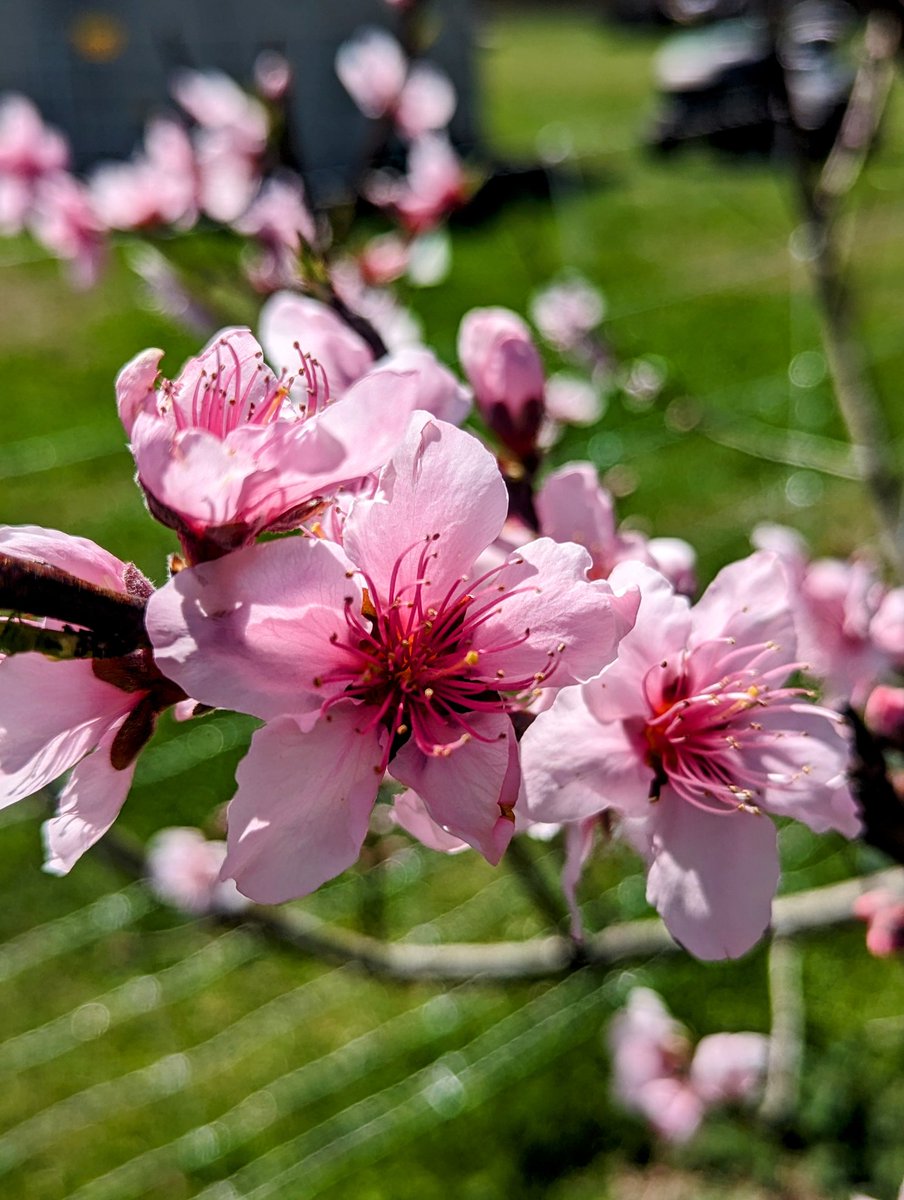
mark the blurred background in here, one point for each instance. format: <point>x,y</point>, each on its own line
<point>146,1054</point>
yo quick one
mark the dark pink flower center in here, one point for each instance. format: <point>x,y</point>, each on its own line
<point>704,739</point>
<point>412,660</point>
<point>230,392</point>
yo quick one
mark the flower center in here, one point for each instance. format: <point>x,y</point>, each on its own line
<point>705,740</point>
<point>413,663</point>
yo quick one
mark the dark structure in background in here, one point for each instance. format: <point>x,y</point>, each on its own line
<point>98,69</point>
<point>718,81</point>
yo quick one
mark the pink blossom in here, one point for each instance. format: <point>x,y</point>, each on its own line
<point>572,400</point>
<point>884,713</point>
<point>229,143</point>
<point>387,653</point>
<point>438,391</point>
<point>281,222</point>
<point>93,715</point>
<point>837,603</point>
<point>566,311</point>
<point>396,324</point>
<point>655,1075</point>
<point>64,220</point>
<point>434,186</point>
<point>184,869</point>
<point>427,102</point>
<point>29,150</point>
<point>272,75</point>
<point>383,260</point>
<point>224,453</point>
<point>572,506</point>
<point>372,68</point>
<point>503,366</point>
<point>158,187</point>
<point>692,737</point>
<point>883,912</point>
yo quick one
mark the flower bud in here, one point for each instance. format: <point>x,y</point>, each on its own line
<point>884,713</point>
<point>503,366</point>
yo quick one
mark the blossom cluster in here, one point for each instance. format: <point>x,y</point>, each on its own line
<point>414,617</point>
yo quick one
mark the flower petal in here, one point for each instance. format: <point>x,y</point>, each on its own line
<point>251,631</point>
<point>712,877</point>
<point>442,485</point>
<point>51,714</point>
<point>89,804</point>
<point>471,791</point>
<point>301,811</point>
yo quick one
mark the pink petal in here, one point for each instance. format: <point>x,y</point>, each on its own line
<point>78,556</point>
<point>89,804</point>
<point>51,714</point>
<point>303,804</point>
<point>572,507</point>
<point>712,878</point>
<point>135,387</point>
<point>672,1107</point>
<point>410,813</point>
<point>288,318</point>
<point>574,767</point>
<point>660,632</point>
<point>729,1067</point>
<point>562,617</point>
<point>750,601</point>
<point>441,486</point>
<point>438,391</point>
<point>251,631</point>
<point>466,791</point>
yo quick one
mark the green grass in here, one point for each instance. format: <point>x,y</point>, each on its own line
<point>693,258</point>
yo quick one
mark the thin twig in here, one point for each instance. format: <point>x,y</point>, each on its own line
<point>820,198</point>
<point>499,962</point>
<point>787,1033</point>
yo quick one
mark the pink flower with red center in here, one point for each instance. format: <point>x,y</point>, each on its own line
<point>224,452</point>
<point>391,652</point>
<point>693,736</point>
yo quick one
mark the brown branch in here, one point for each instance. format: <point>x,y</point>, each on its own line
<point>786,1037</point>
<point>820,198</point>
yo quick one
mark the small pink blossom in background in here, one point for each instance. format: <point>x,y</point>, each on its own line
<point>223,453</point>
<point>572,400</point>
<point>656,1075</point>
<point>388,653</point>
<point>884,713</point>
<point>281,223</point>
<point>503,366</point>
<point>29,150</point>
<point>372,68</point>
<point>64,220</point>
<point>883,912</point>
<point>159,186</point>
<point>692,738</point>
<point>572,506</point>
<point>230,139</point>
<point>184,871</point>
<point>383,260</point>
<point>566,311</point>
<point>434,186</point>
<point>92,715</point>
<point>272,75</point>
<point>427,102</point>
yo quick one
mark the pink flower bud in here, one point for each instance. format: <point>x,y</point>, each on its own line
<point>504,368</point>
<point>884,712</point>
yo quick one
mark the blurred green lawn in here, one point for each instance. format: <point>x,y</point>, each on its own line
<point>693,257</point>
